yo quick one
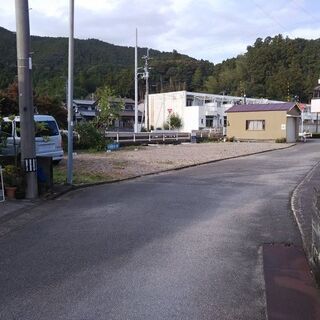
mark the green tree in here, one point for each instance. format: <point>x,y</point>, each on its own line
<point>174,121</point>
<point>109,108</point>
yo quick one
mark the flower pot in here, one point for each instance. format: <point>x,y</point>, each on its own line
<point>11,192</point>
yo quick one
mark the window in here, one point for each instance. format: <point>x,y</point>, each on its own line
<point>6,129</point>
<point>42,128</point>
<point>189,101</point>
<point>209,121</point>
<point>255,125</point>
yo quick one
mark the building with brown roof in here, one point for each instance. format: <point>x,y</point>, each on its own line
<point>264,121</point>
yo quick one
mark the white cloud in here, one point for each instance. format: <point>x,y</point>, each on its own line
<point>205,29</point>
<point>306,33</point>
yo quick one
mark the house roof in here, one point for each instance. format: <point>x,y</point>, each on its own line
<point>85,102</point>
<point>88,113</point>
<point>125,100</point>
<point>287,106</point>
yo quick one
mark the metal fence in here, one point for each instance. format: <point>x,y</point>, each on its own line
<point>313,128</point>
<point>208,134</point>
<point>148,137</point>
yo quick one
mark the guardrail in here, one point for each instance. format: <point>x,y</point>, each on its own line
<point>148,137</point>
<point>213,133</point>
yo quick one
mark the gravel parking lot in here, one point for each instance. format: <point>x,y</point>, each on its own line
<point>134,161</point>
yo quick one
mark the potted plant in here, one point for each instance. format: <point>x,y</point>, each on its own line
<point>11,178</point>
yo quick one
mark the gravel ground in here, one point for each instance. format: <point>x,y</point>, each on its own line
<point>134,161</point>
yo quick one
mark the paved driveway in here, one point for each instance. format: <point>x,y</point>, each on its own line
<point>181,245</point>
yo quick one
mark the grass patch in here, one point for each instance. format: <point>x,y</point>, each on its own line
<point>119,164</point>
<point>167,162</point>
<point>60,177</point>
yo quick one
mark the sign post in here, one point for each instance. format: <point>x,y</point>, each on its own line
<point>169,111</point>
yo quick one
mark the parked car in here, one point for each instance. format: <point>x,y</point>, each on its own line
<point>47,137</point>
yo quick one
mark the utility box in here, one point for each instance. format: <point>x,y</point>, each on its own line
<point>44,174</point>
<point>193,137</point>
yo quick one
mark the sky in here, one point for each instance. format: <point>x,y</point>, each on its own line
<point>212,30</point>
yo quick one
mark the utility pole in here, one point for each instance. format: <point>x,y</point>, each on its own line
<point>27,131</point>
<point>146,99</point>
<point>136,84</point>
<point>70,92</point>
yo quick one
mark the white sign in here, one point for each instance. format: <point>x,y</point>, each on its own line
<point>283,126</point>
<point>315,105</point>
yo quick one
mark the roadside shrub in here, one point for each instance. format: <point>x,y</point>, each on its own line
<point>281,140</point>
<point>165,126</point>
<point>174,121</point>
<point>231,139</point>
<point>90,137</point>
<point>209,139</point>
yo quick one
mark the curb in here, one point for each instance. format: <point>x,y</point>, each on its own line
<point>299,216</point>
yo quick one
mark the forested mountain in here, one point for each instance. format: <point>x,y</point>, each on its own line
<point>96,64</point>
<point>273,68</point>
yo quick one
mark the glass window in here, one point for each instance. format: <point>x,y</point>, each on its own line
<point>255,125</point>
<point>209,121</point>
<point>6,129</point>
<point>46,128</point>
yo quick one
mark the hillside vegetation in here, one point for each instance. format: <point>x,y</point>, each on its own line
<point>275,68</point>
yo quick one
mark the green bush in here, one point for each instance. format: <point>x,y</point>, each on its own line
<point>231,139</point>
<point>90,137</point>
<point>281,140</point>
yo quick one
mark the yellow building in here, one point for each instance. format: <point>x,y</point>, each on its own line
<point>264,121</point>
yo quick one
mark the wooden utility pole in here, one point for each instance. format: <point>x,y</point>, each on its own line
<point>27,131</point>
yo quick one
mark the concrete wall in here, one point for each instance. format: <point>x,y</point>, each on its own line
<point>275,125</point>
<point>191,119</point>
<point>160,103</point>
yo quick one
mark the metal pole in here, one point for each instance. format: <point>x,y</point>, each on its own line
<point>146,103</point>
<point>27,132</point>
<point>136,84</point>
<point>302,119</point>
<point>70,92</point>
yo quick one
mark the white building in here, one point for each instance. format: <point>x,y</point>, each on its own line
<point>197,110</point>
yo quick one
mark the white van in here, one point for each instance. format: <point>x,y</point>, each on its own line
<point>47,135</point>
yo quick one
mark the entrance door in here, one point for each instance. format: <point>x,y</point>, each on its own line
<point>291,130</point>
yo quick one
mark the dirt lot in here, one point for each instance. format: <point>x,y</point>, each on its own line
<point>134,161</point>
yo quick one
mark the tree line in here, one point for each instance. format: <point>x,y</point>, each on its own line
<point>275,68</point>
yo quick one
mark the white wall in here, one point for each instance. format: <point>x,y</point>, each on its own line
<point>191,119</point>
<point>160,103</point>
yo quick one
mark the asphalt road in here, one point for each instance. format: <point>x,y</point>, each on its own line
<point>181,245</point>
